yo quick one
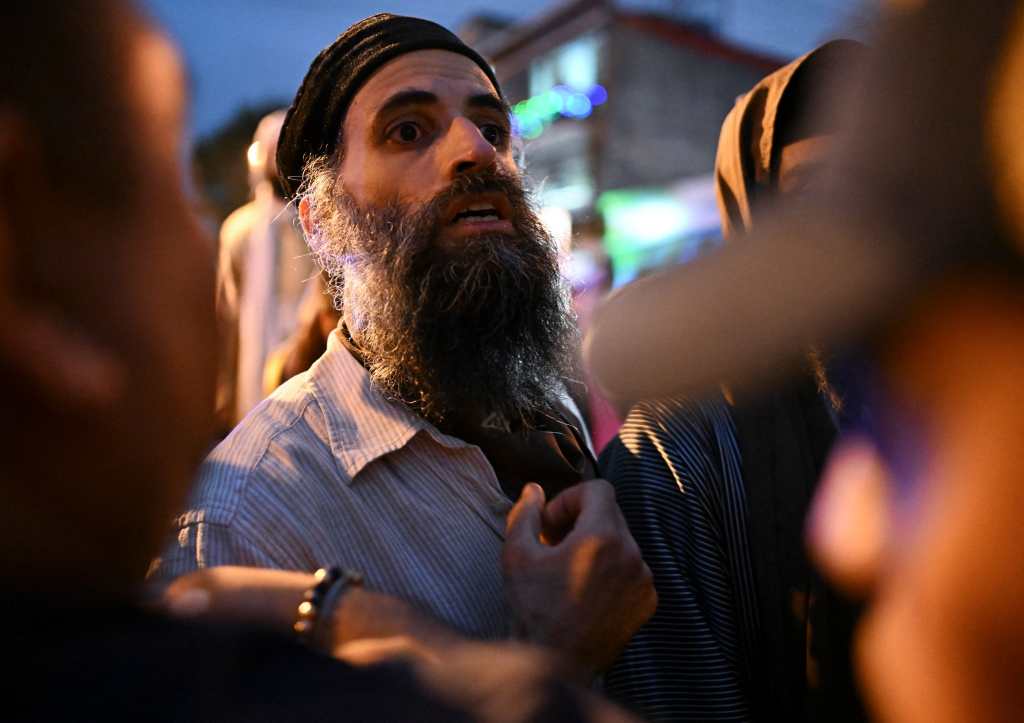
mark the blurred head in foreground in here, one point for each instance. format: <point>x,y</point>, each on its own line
<point>399,145</point>
<point>106,325</point>
<point>917,257</point>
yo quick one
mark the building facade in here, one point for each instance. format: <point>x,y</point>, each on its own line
<point>619,111</point>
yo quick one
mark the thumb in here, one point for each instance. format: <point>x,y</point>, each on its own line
<point>523,524</point>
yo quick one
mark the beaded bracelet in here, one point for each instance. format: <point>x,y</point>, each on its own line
<point>312,624</point>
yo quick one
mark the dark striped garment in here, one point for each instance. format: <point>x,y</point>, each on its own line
<point>677,474</point>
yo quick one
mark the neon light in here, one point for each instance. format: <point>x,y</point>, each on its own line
<point>641,219</point>
<point>531,116</point>
<point>597,94</point>
<point>578,105</point>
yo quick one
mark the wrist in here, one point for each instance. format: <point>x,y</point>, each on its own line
<point>570,664</point>
<point>363,614</point>
<point>315,614</point>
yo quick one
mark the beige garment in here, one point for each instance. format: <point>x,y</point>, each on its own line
<point>747,146</point>
<point>265,274</point>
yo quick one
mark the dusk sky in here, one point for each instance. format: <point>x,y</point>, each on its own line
<point>248,52</point>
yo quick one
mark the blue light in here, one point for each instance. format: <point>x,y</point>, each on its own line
<point>532,116</point>
<point>578,106</point>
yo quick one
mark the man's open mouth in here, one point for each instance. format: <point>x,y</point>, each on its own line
<point>478,209</point>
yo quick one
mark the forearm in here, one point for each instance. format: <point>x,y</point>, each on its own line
<point>270,598</point>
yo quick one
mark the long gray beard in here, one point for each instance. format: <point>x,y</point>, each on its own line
<point>486,329</point>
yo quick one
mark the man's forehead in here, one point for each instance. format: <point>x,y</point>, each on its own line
<point>446,74</point>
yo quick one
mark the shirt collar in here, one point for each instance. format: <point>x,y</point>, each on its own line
<point>361,424</point>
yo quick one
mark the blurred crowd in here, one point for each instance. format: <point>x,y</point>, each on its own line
<point>378,454</point>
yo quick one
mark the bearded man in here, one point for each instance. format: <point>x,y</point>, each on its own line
<point>440,395</point>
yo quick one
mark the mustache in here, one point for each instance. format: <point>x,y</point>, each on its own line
<point>489,181</point>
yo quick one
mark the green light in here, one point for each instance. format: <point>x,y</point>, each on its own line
<point>554,102</point>
<point>530,126</point>
<point>532,131</point>
<point>534,114</point>
<point>641,219</point>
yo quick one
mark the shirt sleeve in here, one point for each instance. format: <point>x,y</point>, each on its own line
<point>203,544</point>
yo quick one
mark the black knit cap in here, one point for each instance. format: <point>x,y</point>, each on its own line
<point>312,126</point>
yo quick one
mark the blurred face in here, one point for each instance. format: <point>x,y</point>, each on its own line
<point>163,278</point>
<point>926,520</point>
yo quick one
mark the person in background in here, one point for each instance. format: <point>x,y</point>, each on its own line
<point>716,491</point>
<point>916,258</point>
<point>440,397</point>
<point>108,341</point>
<point>263,279</point>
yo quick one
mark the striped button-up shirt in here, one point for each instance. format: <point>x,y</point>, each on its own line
<point>328,472</point>
<point>677,472</point>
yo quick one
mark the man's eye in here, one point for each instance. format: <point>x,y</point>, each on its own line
<point>493,134</point>
<point>407,132</point>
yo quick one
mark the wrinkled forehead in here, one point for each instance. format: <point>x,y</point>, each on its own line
<point>450,76</point>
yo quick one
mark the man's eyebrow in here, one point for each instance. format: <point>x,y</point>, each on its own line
<point>488,100</point>
<point>405,98</point>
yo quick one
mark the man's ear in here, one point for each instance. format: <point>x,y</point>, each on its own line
<point>306,216</point>
<point>42,351</point>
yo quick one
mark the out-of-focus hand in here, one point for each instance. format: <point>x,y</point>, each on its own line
<point>249,595</point>
<point>574,576</point>
<point>370,651</point>
<point>366,625</point>
<point>513,683</point>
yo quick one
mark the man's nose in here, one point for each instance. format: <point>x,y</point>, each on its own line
<point>849,524</point>
<point>465,149</point>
